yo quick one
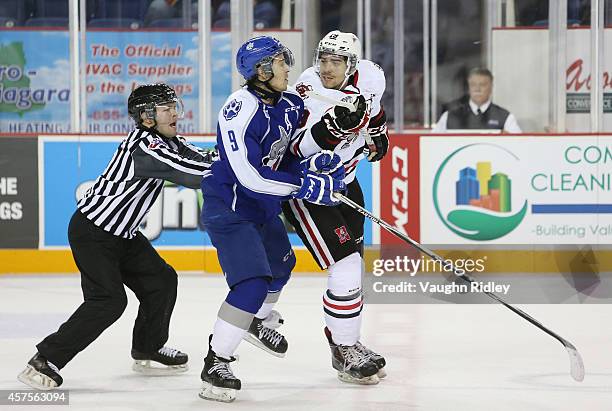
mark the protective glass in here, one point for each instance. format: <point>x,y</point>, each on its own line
<point>285,54</point>
<point>288,56</point>
<point>351,59</point>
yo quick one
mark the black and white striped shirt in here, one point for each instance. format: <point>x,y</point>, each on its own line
<point>121,197</point>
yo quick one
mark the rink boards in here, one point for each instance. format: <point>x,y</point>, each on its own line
<point>529,203</point>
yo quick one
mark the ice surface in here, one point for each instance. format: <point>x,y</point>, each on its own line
<point>440,356</point>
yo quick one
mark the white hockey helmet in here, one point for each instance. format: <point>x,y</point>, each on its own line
<point>342,44</point>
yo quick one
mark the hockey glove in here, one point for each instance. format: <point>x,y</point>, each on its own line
<point>326,162</point>
<point>342,122</point>
<point>377,139</point>
<point>319,188</point>
<point>378,145</point>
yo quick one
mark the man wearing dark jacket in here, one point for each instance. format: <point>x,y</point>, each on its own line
<point>478,112</point>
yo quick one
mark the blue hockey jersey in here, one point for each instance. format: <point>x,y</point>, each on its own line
<point>253,139</point>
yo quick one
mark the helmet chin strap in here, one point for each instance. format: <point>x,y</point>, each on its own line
<point>347,76</point>
<point>265,93</point>
<point>153,126</point>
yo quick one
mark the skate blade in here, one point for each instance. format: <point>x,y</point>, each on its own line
<point>34,379</point>
<point>212,393</point>
<point>253,340</point>
<point>154,369</point>
<point>345,377</point>
<point>381,373</point>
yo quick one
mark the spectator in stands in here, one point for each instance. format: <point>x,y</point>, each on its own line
<point>535,12</point>
<point>478,112</point>
<point>266,14</point>
<point>167,9</point>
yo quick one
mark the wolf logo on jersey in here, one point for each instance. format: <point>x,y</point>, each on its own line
<point>277,149</point>
<point>232,109</point>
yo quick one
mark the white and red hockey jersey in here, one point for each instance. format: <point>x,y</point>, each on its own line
<point>369,81</point>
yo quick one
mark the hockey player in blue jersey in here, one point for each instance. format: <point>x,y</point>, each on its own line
<point>242,198</point>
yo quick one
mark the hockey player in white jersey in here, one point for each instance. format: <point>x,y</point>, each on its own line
<point>334,235</point>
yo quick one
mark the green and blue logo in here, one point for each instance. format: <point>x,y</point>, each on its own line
<point>482,209</point>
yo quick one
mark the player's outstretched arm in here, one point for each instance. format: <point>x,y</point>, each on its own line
<point>336,125</point>
<point>339,122</point>
<point>153,158</point>
<point>193,152</point>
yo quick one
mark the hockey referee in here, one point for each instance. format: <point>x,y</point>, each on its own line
<point>110,251</point>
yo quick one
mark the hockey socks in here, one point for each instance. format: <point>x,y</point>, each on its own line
<point>274,291</point>
<point>236,315</point>
<point>262,333</point>
<point>342,301</point>
<point>342,316</point>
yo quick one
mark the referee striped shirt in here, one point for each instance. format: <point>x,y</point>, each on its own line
<point>121,197</point>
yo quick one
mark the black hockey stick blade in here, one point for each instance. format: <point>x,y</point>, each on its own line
<point>576,363</point>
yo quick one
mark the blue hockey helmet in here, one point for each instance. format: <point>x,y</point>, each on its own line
<point>259,52</point>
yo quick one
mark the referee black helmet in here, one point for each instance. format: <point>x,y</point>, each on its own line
<point>145,97</point>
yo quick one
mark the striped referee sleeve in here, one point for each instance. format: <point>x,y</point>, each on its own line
<point>123,194</point>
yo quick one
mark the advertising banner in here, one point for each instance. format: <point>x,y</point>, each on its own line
<point>578,81</point>
<point>399,187</point>
<point>34,82</point>
<point>522,77</point>
<point>117,62</point>
<point>18,193</point>
<point>71,165</point>
<point>516,190</point>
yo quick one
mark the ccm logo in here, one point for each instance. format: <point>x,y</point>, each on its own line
<point>399,188</point>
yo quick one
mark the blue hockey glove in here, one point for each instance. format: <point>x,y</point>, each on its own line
<point>318,188</point>
<point>326,162</point>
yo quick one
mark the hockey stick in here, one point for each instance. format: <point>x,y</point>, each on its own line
<point>576,364</point>
<point>330,100</point>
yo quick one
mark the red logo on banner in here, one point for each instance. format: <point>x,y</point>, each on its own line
<point>399,187</point>
<point>342,234</point>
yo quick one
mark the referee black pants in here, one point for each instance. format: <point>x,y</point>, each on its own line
<point>107,262</point>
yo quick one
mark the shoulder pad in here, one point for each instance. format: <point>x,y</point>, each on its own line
<point>237,102</point>
<point>371,77</point>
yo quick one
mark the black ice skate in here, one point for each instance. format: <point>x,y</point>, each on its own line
<point>165,361</point>
<point>40,374</point>
<point>352,364</point>
<point>266,338</point>
<point>376,358</point>
<point>218,381</point>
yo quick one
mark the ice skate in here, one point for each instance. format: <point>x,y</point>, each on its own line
<point>352,364</point>
<point>376,358</point>
<point>40,374</point>
<point>165,361</point>
<point>266,338</point>
<point>218,380</point>
<point>273,320</point>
